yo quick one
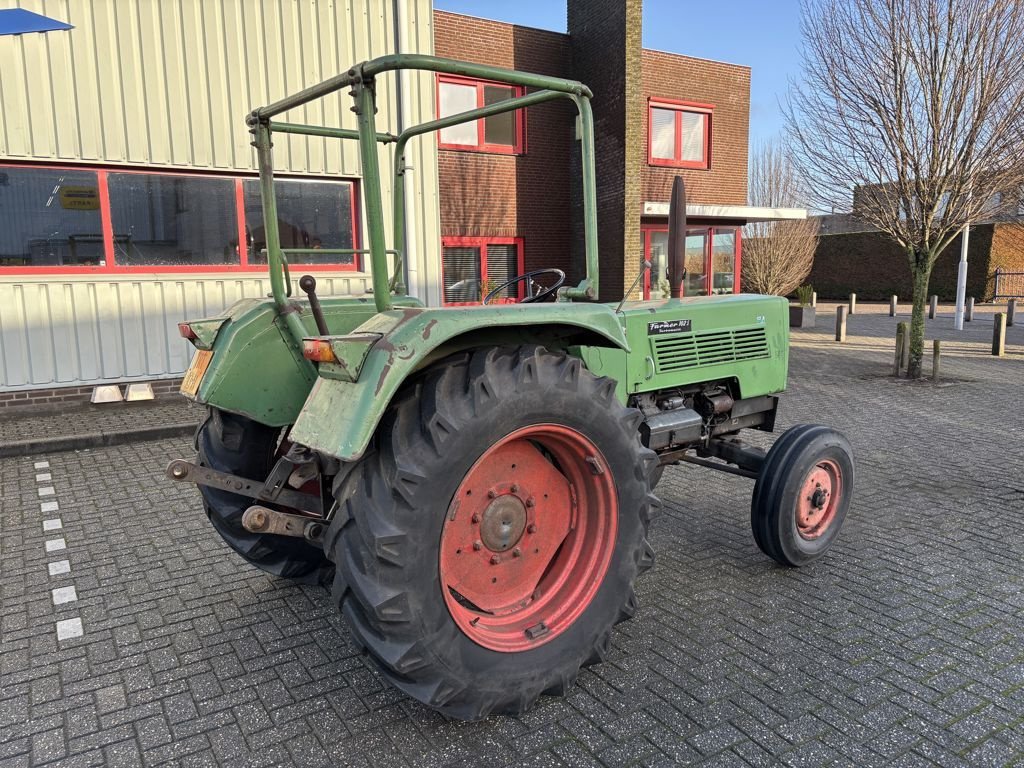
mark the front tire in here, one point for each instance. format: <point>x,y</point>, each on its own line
<point>444,527</point>
<point>234,444</point>
<point>802,494</point>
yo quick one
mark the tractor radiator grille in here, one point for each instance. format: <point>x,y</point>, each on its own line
<point>692,350</point>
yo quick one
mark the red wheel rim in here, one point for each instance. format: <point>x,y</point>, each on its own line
<point>528,538</point>
<point>819,498</point>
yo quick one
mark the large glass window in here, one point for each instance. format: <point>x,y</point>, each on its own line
<point>50,218</point>
<point>502,133</point>
<point>710,251</point>
<point>723,261</point>
<point>111,221</point>
<point>310,214</point>
<point>472,267</point>
<point>173,220</point>
<point>679,135</point>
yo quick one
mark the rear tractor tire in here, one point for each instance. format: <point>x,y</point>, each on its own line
<point>488,543</point>
<point>240,446</point>
<point>802,494</point>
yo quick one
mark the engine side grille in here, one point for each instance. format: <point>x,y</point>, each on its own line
<point>691,350</point>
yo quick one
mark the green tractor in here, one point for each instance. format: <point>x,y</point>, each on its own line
<point>475,484</point>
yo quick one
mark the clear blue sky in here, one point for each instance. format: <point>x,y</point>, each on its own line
<point>762,34</point>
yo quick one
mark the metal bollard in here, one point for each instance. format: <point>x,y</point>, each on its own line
<point>892,306</point>
<point>933,304</point>
<point>935,360</point>
<point>901,339</point>
<point>1011,310</point>
<point>853,303</point>
<point>814,298</point>
<point>840,323</point>
<point>999,335</point>
<point>969,310</point>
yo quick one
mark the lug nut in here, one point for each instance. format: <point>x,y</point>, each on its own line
<point>476,517</point>
<point>491,494</point>
<point>477,546</point>
<point>495,559</point>
<point>517,552</point>
<point>515,488</point>
<point>531,502</point>
<point>531,528</point>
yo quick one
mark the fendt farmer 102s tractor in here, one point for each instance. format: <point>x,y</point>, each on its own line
<point>476,483</point>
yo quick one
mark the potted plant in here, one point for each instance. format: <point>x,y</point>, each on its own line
<point>802,315</point>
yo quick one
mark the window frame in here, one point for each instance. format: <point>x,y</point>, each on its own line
<point>519,148</point>
<point>111,267</point>
<point>709,231</point>
<point>481,242</point>
<point>678,108</point>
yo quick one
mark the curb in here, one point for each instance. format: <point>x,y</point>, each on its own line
<point>94,440</point>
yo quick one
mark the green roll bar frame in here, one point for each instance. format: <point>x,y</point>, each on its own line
<point>361,80</point>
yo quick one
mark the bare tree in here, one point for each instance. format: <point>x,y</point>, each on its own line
<point>777,255</point>
<point>918,107</point>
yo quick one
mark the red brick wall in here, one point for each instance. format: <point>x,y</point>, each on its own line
<point>874,267</point>
<point>606,55</point>
<point>506,195</point>
<point>727,88</point>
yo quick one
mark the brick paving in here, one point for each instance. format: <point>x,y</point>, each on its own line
<point>905,646</point>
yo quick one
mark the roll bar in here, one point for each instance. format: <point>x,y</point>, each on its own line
<point>360,79</point>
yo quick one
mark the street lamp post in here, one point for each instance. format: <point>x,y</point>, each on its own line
<point>961,280</point>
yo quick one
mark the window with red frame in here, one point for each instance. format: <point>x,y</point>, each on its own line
<point>679,134</point>
<point>502,133</point>
<point>68,220</point>
<point>471,267</point>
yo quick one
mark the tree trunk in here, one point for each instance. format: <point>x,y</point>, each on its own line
<point>921,272</point>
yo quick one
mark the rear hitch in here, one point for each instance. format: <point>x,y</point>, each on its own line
<point>259,519</point>
<point>186,471</point>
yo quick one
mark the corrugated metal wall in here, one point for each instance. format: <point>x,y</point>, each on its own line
<point>66,331</point>
<point>167,84</point>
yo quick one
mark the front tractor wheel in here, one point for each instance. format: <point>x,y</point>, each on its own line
<point>802,494</point>
<point>489,542</point>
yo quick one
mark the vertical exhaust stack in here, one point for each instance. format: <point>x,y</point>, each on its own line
<point>676,237</point>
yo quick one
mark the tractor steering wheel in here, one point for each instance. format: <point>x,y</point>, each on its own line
<point>531,297</point>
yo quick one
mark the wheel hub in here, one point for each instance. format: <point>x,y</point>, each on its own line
<point>819,497</point>
<point>503,523</point>
<point>528,537</point>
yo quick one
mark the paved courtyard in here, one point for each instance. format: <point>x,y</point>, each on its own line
<point>904,647</point>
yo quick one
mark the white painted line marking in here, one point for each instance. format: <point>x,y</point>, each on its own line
<point>42,465</point>
<point>49,506</point>
<point>44,477</point>
<point>63,595</point>
<point>69,628</point>
<point>54,545</point>
<point>47,491</point>
<point>52,525</point>
<point>60,567</point>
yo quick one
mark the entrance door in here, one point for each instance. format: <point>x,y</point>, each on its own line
<point>709,251</point>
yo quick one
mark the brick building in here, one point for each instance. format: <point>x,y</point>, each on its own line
<point>509,188</point>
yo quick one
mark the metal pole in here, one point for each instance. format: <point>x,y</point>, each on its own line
<point>961,281</point>
<point>840,323</point>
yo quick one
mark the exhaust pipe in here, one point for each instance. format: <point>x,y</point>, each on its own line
<point>676,237</point>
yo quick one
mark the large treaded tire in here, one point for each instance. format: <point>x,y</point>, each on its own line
<point>385,538</point>
<point>240,446</point>
<point>780,487</point>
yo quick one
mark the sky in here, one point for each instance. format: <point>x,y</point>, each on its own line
<point>762,34</point>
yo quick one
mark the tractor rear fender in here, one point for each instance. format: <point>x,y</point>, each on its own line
<point>253,369</point>
<point>347,401</point>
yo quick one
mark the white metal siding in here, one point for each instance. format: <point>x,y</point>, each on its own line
<point>167,84</point>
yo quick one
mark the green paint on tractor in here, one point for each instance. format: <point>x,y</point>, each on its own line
<point>476,483</point>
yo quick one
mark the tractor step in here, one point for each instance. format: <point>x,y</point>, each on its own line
<point>186,471</point>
